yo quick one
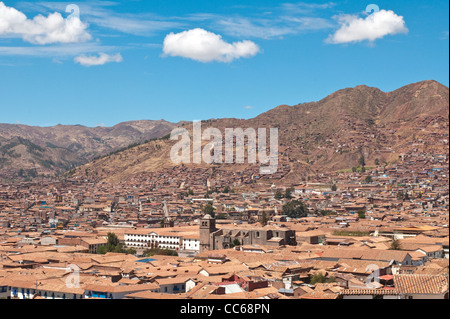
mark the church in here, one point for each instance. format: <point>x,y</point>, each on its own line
<point>212,238</point>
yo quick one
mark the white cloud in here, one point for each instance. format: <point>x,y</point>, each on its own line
<point>257,28</point>
<point>265,26</point>
<point>101,13</point>
<point>60,51</point>
<point>204,46</point>
<point>303,7</point>
<point>248,107</point>
<point>101,59</point>
<point>42,30</point>
<point>373,27</point>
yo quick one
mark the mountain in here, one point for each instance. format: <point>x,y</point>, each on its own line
<point>29,151</point>
<point>336,133</point>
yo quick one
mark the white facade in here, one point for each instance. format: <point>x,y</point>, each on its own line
<point>153,239</point>
<point>26,293</point>
<point>191,244</point>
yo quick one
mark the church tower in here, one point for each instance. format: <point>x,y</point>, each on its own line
<point>207,226</point>
<point>167,221</point>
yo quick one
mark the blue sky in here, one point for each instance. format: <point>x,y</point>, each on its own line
<point>118,61</point>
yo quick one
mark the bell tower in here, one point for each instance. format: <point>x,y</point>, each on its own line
<point>207,226</point>
<point>167,221</point>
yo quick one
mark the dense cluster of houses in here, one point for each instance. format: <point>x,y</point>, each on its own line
<point>386,236</point>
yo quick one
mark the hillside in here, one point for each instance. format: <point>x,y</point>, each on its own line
<point>29,151</point>
<point>337,132</point>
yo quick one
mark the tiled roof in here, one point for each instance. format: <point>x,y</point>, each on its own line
<point>421,284</point>
<point>372,292</point>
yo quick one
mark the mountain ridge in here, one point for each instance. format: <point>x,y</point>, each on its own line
<point>330,134</point>
<point>63,147</point>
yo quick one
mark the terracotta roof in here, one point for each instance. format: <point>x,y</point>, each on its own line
<point>319,295</point>
<point>421,284</point>
<point>371,292</point>
<point>154,295</point>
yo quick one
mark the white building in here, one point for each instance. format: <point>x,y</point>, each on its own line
<point>173,238</point>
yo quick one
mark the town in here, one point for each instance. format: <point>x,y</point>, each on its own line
<point>191,232</point>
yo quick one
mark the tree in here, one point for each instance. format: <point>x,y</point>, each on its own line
<point>159,251</point>
<point>113,245</point>
<point>361,214</point>
<point>362,161</point>
<point>236,242</point>
<point>264,219</point>
<point>288,193</point>
<point>278,195</point>
<point>130,251</point>
<point>320,278</point>
<point>369,179</point>
<point>221,216</point>
<point>295,209</point>
<point>377,162</point>
<point>395,245</point>
<point>333,188</point>
<point>402,195</point>
<point>209,209</point>
<point>113,240</point>
<point>102,250</point>
<point>317,278</point>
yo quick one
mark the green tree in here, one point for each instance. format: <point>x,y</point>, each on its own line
<point>333,188</point>
<point>130,251</point>
<point>295,209</point>
<point>362,161</point>
<point>209,209</point>
<point>113,245</point>
<point>278,195</point>
<point>221,216</point>
<point>102,250</point>
<point>158,251</point>
<point>288,193</point>
<point>264,219</point>
<point>369,179</point>
<point>320,278</point>
<point>236,242</point>
<point>361,214</point>
<point>113,240</point>
<point>402,195</point>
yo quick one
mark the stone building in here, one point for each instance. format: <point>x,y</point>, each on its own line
<point>212,238</point>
